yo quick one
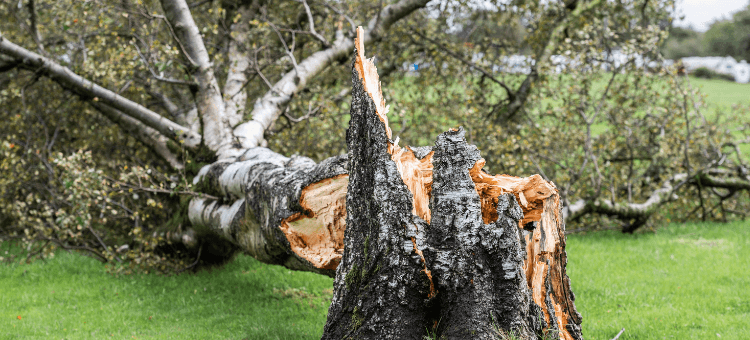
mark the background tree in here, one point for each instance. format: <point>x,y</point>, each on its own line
<point>730,37</point>
<point>683,42</point>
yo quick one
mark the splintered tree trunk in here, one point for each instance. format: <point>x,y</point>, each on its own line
<point>421,240</point>
<point>434,245</point>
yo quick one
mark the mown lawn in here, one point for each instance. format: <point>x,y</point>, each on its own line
<point>722,94</point>
<point>72,297</point>
<point>684,282</point>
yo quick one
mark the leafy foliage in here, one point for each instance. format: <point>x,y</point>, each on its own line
<point>602,131</point>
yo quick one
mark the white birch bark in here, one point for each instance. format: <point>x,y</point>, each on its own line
<point>268,108</point>
<point>217,129</point>
<point>235,94</point>
<point>88,89</point>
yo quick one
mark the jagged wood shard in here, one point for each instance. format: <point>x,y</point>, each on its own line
<point>381,284</point>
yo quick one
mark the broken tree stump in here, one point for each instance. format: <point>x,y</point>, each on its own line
<point>434,245</point>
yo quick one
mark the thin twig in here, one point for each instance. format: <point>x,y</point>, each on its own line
<point>160,78</point>
<point>311,23</point>
<point>289,52</point>
<point>160,191</point>
<point>310,112</point>
<point>618,334</point>
<point>103,245</point>
<point>467,62</point>
<point>198,258</point>
<point>341,13</point>
<point>172,32</point>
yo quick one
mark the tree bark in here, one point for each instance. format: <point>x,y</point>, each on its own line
<point>382,283</point>
<point>87,89</point>
<point>217,129</point>
<point>477,266</point>
<point>464,268</point>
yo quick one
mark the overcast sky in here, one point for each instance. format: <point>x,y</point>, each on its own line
<point>701,13</point>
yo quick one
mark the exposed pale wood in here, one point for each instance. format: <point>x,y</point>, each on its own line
<point>371,81</point>
<point>530,191</point>
<point>545,268</point>
<point>317,234</point>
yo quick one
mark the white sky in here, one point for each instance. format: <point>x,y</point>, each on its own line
<point>701,13</point>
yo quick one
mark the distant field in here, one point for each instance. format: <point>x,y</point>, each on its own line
<point>722,94</point>
<point>684,282</point>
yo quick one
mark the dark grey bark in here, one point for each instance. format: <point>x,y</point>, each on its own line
<point>455,277</point>
<point>380,287</point>
<point>477,267</point>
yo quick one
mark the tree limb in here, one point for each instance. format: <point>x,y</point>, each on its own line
<point>144,134</point>
<point>269,108</point>
<point>89,90</point>
<point>217,130</point>
<point>235,95</point>
<point>33,27</point>
<point>518,99</point>
<point>624,211</point>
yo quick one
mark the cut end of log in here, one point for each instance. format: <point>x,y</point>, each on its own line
<point>317,235</point>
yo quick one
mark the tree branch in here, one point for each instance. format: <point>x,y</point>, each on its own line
<point>33,27</point>
<point>458,57</point>
<point>144,134</point>
<point>89,90</point>
<point>625,211</point>
<point>269,108</point>
<point>191,85</point>
<point>235,94</point>
<point>217,130</point>
<point>312,24</point>
<point>187,117</point>
<point>542,56</point>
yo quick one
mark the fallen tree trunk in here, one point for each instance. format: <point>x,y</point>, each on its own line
<point>419,239</point>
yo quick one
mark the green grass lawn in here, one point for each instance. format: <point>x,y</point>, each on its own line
<point>722,94</point>
<point>684,282</point>
<point>71,297</point>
